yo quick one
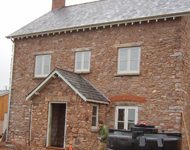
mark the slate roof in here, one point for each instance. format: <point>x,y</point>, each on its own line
<point>102,12</point>
<point>3,92</point>
<point>78,83</point>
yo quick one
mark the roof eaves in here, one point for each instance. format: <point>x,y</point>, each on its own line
<point>97,90</point>
<point>97,101</point>
<point>98,25</point>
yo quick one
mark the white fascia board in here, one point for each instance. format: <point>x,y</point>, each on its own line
<point>47,79</point>
<point>40,86</point>
<point>96,101</point>
<point>71,86</point>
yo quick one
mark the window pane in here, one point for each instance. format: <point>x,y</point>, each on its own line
<point>38,70</point>
<point>121,114</point>
<point>131,115</point>
<point>123,54</point>
<point>134,54</point>
<point>86,56</point>
<point>78,65</point>
<point>79,57</point>
<point>120,125</point>
<point>47,60</point>
<point>94,110</point>
<point>93,121</point>
<point>39,60</point>
<point>134,65</point>
<point>86,65</point>
<point>46,69</point>
<point>130,125</point>
<point>123,66</point>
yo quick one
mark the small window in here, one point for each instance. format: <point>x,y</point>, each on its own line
<point>82,61</point>
<point>126,117</point>
<point>129,60</point>
<point>95,117</point>
<point>42,65</point>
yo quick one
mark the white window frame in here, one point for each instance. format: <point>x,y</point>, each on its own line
<point>128,71</point>
<point>43,56</point>
<point>82,63</point>
<point>97,110</point>
<point>126,108</point>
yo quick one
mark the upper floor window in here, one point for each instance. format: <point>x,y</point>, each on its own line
<point>95,117</point>
<point>82,61</point>
<point>42,65</point>
<point>129,60</point>
<point>126,117</point>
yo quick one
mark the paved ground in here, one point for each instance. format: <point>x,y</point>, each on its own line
<point>7,146</point>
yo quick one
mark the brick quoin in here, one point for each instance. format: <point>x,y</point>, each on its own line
<point>128,98</point>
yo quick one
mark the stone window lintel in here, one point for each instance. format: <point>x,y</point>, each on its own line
<point>42,53</point>
<point>128,44</point>
<point>82,49</point>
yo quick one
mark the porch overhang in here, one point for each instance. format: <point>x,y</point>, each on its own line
<point>64,75</point>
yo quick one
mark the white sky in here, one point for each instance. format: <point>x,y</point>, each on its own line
<point>15,14</point>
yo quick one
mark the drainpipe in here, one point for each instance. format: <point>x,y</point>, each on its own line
<point>30,124</point>
<point>10,86</point>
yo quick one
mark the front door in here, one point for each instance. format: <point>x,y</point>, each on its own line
<point>56,125</point>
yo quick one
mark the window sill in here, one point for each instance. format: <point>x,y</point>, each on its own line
<point>81,72</point>
<point>36,78</point>
<point>94,130</point>
<point>126,74</point>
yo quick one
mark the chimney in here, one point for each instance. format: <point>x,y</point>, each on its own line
<point>58,3</point>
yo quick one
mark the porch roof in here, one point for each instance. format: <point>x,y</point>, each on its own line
<point>3,92</point>
<point>78,83</point>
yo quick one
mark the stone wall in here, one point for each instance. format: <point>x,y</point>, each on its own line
<point>186,77</point>
<point>159,81</point>
<point>78,116</point>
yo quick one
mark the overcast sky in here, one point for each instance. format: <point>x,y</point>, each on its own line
<point>14,14</point>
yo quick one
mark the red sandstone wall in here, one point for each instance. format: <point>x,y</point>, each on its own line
<point>78,116</point>
<point>186,76</point>
<point>161,71</point>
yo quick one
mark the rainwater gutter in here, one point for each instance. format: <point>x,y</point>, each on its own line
<point>10,86</point>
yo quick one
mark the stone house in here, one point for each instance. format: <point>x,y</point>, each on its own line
<point>119,61</point>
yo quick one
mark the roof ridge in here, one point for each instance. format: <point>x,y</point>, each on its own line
<point>85,3</point>
<point>56,68</point>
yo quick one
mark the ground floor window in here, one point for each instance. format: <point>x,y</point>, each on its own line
<point>95,117</point>
<point>126,117</point>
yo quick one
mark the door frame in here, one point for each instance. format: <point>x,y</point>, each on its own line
<point>50,119</point>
